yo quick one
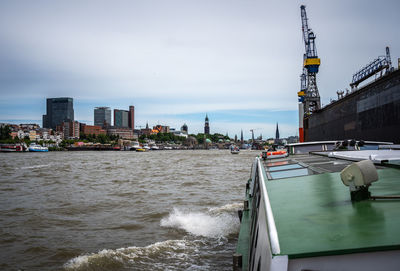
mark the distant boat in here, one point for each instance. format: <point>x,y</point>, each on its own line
<point>234,149</point>
<point>135,146</point>
<point>38,148</point>
<point>154,147</point>
<point>11,148</point>
<point>140,150</point>
<point>267,154</point>
<point>146,147</point>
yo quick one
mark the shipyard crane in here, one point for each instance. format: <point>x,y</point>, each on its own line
<point>309,99</point>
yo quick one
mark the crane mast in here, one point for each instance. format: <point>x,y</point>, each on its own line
<point>309,99</point>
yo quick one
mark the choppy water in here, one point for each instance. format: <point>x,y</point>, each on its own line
<point>161,210</point>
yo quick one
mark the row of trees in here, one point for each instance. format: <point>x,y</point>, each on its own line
<point>162,137</point>
<point>214,137</point>
<point>170,137</point>
<point>102,139</point>
<point>5,132</point>
<point>5,137</point>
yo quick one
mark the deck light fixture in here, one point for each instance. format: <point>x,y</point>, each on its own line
<point>358,177</point>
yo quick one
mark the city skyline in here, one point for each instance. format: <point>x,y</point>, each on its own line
<point>237,62</point>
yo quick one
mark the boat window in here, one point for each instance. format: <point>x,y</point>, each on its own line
<point>280,163</point>
<point>369,147</point>
<point>307,148</point>
<point>291,166</point>
<point>290,173</point>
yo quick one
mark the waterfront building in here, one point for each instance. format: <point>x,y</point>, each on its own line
<point>32,135</point>
<point>58,110</point>
<point>160,129</point>
<point>124,133</point>
<point>102,116</point>
<point>184,129</point>
<point>121,118</point>
<point>206,126</point>
<point>92,129</point>
<point>147,130</point>
<point>131,117</point>
<point>70,129</point>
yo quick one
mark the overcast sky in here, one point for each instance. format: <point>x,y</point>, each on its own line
<point>239,61</point>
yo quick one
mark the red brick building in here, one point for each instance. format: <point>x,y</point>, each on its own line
<point>92,130</point>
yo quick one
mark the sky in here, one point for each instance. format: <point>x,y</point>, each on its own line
<point>238,61</point>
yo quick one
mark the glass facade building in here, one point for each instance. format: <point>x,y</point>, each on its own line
<point>121,118</point>
<point>58,110</point>
<point>102,116</point>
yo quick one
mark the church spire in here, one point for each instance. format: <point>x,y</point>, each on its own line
<point>206,126</point>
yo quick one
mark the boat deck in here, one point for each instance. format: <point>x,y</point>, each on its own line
<point>314,215</point>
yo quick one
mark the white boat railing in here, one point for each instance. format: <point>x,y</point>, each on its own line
<point>273,233</point>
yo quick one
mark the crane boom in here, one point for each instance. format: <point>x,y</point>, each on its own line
<point>304,26</point>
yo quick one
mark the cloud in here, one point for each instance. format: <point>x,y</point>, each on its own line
<point>171,58</point>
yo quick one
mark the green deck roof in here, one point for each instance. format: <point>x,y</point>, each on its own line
<point>314,215</point>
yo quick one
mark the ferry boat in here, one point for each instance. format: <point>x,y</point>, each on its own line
<point>37,148</point>
<point>11,148</point>
<point>327,206</point>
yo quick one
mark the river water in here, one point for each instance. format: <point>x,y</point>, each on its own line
<point>161,210</point>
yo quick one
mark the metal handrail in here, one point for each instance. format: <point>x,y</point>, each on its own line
<point>273,233</point>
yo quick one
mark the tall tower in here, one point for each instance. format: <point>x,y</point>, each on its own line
<point>241,137</point>
<point>206,126</point>
<point>131,117</point>
<point>277,132</point>
<point>277,140</point>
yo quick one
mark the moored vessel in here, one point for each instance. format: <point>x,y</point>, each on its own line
<point>37,148</point>
<point>11,148</point>
<point>327,206</point>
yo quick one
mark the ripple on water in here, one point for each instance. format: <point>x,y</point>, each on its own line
<point>115,210</point>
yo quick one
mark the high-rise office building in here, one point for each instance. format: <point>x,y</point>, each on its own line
<point>102,116</point>
<point>58,110</point>
<point>121,118</point>
<point>131,117</point>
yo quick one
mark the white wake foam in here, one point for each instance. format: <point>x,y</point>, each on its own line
<point>214,223</point>
<point>33,167</point>
<point>114,258</point>
<point>232,207</point>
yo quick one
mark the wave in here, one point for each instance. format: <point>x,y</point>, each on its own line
<point>33,167</point>
<point>226,208</point>
<point>215,223</point>
<point>175,252</point>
